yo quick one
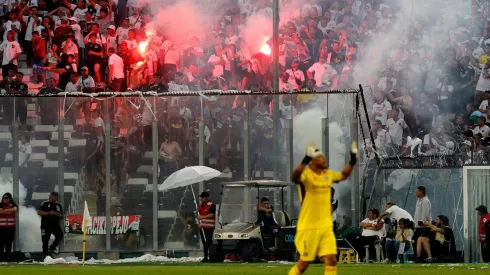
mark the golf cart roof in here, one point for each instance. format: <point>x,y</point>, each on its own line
<point>256,183</point>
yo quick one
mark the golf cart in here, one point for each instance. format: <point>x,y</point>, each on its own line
<point>238,231</point>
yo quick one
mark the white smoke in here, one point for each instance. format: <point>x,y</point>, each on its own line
<point>307,128</point>
<point>30,222</point>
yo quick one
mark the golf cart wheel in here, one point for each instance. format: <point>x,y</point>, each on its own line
<point>251,252</point>
<point>216,254</point>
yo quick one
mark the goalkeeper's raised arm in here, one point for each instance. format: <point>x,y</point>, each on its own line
<point>317,162</point>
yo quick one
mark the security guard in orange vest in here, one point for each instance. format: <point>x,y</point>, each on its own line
<point>8,208</point>
<point>207,220</point>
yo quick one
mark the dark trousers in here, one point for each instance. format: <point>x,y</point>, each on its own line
<point>7,235</point>
<point>117,84</point>
<point>46,233</point>
<point>207,239</point>
<point>485,253</point>
<point>369,241</point>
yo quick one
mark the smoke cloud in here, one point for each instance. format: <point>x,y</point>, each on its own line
<point>30,222</point>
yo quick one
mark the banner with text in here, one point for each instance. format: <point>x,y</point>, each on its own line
<point>119,224</point>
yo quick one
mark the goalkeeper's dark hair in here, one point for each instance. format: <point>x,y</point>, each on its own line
<point>264,199</point>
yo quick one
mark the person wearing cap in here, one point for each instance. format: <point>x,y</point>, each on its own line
<point>481,127</point>
<point>51,213</point>
<point>296,76</point>
<point>314,232</point>
<point>484,232</point>
<point>111,38</point>
<point>207,219</point>
<point>86,83</point>
<point>441,244</point>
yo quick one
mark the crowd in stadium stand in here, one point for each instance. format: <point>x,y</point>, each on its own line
<point>435,92</point>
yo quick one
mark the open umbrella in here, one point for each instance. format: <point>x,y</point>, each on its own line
<point>187,177</point>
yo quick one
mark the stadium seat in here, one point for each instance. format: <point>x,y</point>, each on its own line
<point>71,179</point>
<point>40,146</point>
<point>43,131</point>
<point>50,164</point>
<point>66,128</point>
<point>53,152</point>
<point>66,137</point>
<point>147,169</point>
<point>4,128</point>
<point>162,214</point>
<point>5,136</point>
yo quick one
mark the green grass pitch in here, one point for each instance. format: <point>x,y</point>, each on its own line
<point>241,269</point>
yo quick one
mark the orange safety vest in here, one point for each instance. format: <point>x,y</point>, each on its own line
<point>203,210</point>
<point>9,219</point>
<point>481,227</point>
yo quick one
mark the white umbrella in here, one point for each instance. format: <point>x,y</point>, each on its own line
<point>188,176</point>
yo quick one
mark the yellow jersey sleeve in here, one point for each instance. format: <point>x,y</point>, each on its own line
<point>336,176</point>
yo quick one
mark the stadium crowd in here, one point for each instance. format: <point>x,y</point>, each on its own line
<point>436,92</point>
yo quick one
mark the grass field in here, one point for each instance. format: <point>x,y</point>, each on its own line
<point>240,269</point>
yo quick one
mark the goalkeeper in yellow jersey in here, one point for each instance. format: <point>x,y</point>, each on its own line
<point>314,231</point>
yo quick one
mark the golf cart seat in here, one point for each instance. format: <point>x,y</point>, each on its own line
<point>282,218</point>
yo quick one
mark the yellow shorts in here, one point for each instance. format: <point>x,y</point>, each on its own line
<point>311,243</point>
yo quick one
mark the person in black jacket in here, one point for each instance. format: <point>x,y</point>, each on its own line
<point>51,213</point>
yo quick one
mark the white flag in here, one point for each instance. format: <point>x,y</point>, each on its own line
<point>87,220</point>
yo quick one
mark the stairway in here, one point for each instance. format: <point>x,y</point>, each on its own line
<point>73,242</point>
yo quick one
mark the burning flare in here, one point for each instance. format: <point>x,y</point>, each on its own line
<point>266,49</point>
<point>143,45</point>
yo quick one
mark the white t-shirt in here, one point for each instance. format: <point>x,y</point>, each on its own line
<point>71,49</point>
<point>24,151</point>
<point>483,83</point>
<point>111,43</point>
<point>484,131</point>
<point>382,109</point>
<point>86,83</point>
<point>77,30</point>
<point>244,55</point>
<point>369,232</point>
<point>122,33</point>
<point>29,29</point>
<point>79,13</point>
<point>382,140</point>
<point>218,70</point>
<point>71,88</point>
<point>395,128</point>
<point>322,73</point>
<point>293,75</point>
<point>32,3</point>
<point>397,213</point>
<point>8,26</point>
<point>118,66</point>
<point>132,44</point>
<point>10,50</point>
<point>151,57</point>
<point>172,56</point>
